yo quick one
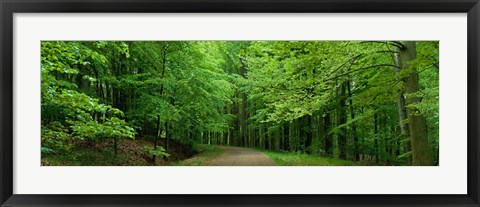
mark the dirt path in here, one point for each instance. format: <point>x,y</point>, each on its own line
<point>238,156</point>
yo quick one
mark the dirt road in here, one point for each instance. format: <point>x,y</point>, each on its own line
<point>238,156</point>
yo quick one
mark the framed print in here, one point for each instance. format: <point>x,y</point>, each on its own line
<point>239,103</point>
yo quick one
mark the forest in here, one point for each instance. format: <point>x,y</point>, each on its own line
<point>176,103</point>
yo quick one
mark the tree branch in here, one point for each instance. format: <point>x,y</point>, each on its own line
<point>359,69</point>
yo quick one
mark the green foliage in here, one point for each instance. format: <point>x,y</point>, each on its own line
<point>45,150</point>
<point>109,128</point>
<point>68,113</point>
<point>180,82</point>
<point>295,79</point>
<point>151,151</point>
<point>55,136</point>
<point>277,95</point>
<point>290,80</point>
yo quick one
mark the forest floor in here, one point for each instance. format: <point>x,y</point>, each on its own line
<point>130,153</point>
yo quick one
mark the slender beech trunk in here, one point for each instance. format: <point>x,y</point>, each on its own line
<point>321,132</point>
<point>107,93</point>
<point>342,119</point>
<point>356,153</point>
<point>155,140</point>
<point>167,132</point>
<point>286,146</point>
<point>308,134</point>
<point>159,128</point>
<point>327,137</point>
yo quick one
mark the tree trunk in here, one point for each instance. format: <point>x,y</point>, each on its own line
<point>356,153</point>
<point>328,137</point>
<point>421,154</point>
<point>308,134</point>
<point>155,141</point>
<point>342,119</point>
<point>167,133</point>
<point>402,110</point>
<point>286,128</point>
<point>321,132</point>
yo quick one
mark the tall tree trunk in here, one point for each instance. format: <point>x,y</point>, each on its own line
<point>167,133</point>
<point>342,119</point>
<point>402,110</point>
<point>108,95</point>
<point>421,154</point>
<point>159,128</point>
<point>155,141</point>
<point>236,125</point>
<point>321,132</point>
<point>286,128</point>
<point>308,134</point>
<point>243,110</point>
<point>356,153</point>
<point>327,137</point>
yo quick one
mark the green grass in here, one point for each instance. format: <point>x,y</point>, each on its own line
<point>205,152</point>
<point>295,159</point>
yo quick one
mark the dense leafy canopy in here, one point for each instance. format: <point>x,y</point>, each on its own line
<point>330,98</point>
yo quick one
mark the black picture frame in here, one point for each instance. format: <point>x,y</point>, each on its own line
<point>9,7</point>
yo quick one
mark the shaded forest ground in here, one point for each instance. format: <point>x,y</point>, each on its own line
<point>132,153</point>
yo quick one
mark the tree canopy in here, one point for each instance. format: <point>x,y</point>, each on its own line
<point>366,101</point>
